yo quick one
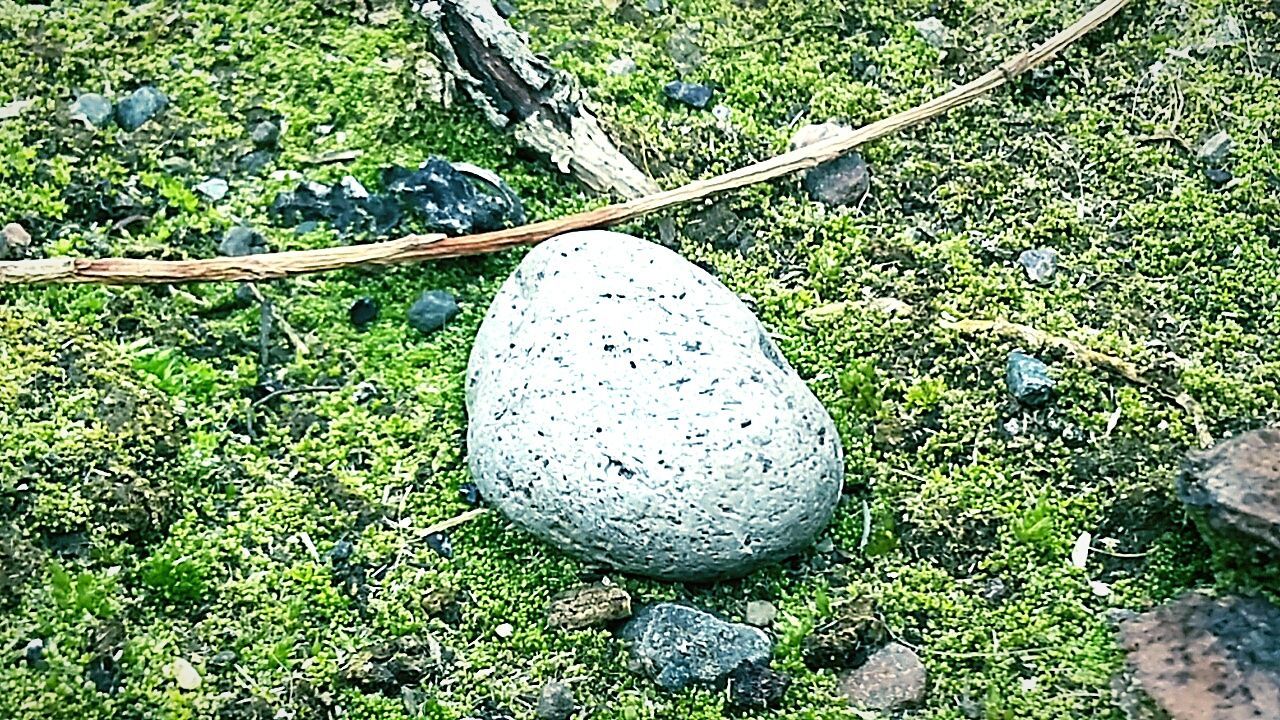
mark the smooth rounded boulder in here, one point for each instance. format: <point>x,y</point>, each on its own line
<point>627,408</point>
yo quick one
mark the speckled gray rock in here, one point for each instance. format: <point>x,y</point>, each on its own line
<point>678,645</point>
<point>627,408</point>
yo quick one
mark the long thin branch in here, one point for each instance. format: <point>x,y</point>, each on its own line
<point>416,248</point>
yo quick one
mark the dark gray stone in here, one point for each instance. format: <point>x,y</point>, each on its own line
<point>1218,176</point>
<point>843,181</point>
<point>1200,658</point>
<point>140,106</point>
<point>555,702</point>
<point>1039,263</point>
<point>363,312</point>
<point>691,94</point>
<point>265,134</point>
<point>678,646</point>
<point>1028,379</point>
<point>637,415</point>
<point>93,109</point>
<point>891,678</point>
<point>240,241</point>
<point>1234,487</point>
<point>756,685</point>
<point>432,311</point>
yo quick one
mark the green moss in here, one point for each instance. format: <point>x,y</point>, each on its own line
<point>148,510</point>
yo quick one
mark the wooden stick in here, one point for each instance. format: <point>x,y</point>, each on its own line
<point>416,248</point>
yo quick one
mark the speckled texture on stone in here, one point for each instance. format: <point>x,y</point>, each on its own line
<point>1236,487</point>
<point>627,408</point>
<point>678,645</point>
<point>1201,658</point>
<point>892,678</point>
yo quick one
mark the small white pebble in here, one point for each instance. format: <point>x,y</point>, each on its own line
<point>1100,588</point>
<point>505,630</point>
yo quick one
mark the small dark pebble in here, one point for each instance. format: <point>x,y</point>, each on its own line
<point>843,181</point>
<point>142,104</point>
<point>265,134</point>
<point>240,241</point>
<point>342,551</point>
<point>995,590</point>
<point>1028,379</point>
<point>691,94</point>
<point>363,312</point>
<point>470,493</point>
<point>432,311</point>
<point>1218,176</point>
<point>756,685</point>
<point>94,108</point>
<point>505,8</point>
<point>34,654</point>
<point>439,542</point>
<point>555,702</point>
<point>222,660</point>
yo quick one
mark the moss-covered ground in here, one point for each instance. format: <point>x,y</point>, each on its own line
<point>149,510</point>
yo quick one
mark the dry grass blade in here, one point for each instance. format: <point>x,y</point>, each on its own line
<point>417,248</point>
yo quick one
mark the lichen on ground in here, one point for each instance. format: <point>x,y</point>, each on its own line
<point>150,511</point>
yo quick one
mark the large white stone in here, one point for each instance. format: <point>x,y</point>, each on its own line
<point>627,408</point>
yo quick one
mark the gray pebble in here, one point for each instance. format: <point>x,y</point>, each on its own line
<point>843,181</point>
<point>240,241</point>
<point>140,106</point>
<point>932,31</point>
<point>214,188</point>
<point>761,613</point>
<point>637,415</point>
<point>1039,263</point>
<point>265,134</point>
<point>1028,379</point>
<point>678,646</point>
<point>432,311</point>
<point>691,94</point>
<point>93,109</point>
<point>621,67</point>
<point>555,702</point>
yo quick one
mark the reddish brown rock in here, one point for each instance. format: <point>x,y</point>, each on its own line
<point>1235,488</point>
<point>892,678</point>
<point>1202,658</point>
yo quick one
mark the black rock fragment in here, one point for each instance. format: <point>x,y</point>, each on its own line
<point>141,105</point>
<point>363,312</point>
<point>240,241</point>
<point>756,685</point>
<point>432,311</point>
<point>692,94</point>
<point>1028,379</point>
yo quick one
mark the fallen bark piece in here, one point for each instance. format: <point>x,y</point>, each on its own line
<point>1201,658</point>
<point>1235,488</point>
<point>588,605</point>
<point>545,108</point>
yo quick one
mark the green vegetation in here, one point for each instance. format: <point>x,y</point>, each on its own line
<point>148,510</point>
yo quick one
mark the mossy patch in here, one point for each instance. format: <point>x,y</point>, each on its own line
<point>149,509</point>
